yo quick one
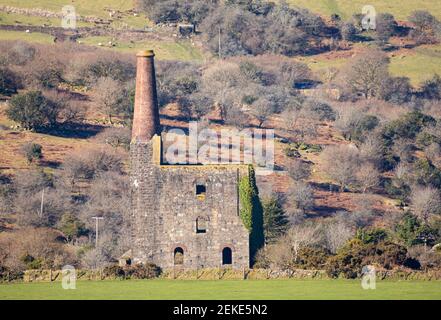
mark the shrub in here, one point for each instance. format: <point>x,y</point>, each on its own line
<point>426,27</point>
<point>33,110</point>
<point>348,31</point>
<point>298,169</point>
<point>425,257</point>
<point>292,151</point>
<point>389,254</point>
<point>110,67</point>
<point>20,53</point>
<point>32,151</point>
<point>371,236</point>
<point>312,258</point>
<point>407,229</point>
<point>396,90</point>
<point>385,26</point>
<point>431,89</point>
<point>88,164</point>
<point>427,173</point>
<point>116,137</point>
<point>350,260</point>
<point>142,271</point>
<point>407,126</point>
<point>424,139</point>
<point>401,192</point>
<point>367,123</point>
<point>114,271</point>
<point>6,274</point>
<point>7,191</point>
<point>34,248</point>
<point>412,232</point>
<point>9,82</point>
<point>71,226</point>
<point>320,110</point>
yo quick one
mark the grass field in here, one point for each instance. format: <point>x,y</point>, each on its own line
<point>346,8</point>
<point>165,50</point>
<point>401,9</point>
<point>83,7</point>
<point>30,37</point>
<point>249,289</point>
<point>419,64</point>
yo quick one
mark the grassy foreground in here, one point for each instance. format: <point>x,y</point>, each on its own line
<point>224,289</point>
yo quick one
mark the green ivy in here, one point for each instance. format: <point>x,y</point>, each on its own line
<point>251,211</point>
<point>246,201</point>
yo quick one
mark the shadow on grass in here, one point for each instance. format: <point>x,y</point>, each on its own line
<point>75,130</point>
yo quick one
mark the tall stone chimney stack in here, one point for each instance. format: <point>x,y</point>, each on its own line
<point>146,113</point>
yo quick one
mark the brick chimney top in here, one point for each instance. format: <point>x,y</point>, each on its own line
<point>145,53</point>
<point>146,112</point>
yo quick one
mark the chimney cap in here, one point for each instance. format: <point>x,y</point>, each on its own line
<point>145,53</point>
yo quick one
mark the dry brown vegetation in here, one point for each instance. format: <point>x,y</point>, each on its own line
<point>356,148</point>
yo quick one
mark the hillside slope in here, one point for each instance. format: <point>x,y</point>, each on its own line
<point>346,8</point>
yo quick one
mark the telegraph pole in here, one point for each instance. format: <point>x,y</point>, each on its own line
<point>96,229</point>
<point>219,48</point>
<point>42,204</point>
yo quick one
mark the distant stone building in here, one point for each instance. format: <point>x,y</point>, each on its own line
<point>186,215</point>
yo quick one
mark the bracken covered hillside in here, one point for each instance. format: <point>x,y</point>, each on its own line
<point>356,115</point>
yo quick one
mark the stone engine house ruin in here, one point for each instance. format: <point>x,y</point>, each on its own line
<point>182,215</point>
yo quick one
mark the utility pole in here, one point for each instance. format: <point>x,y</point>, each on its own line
<point>219,48</point>
<point>96,229</point>
<point>42,204</point>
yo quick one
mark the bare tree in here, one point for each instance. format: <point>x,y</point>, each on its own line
<point>109,198</point>
<point>89,163</point>
<point>301,236</point>
<point>368,176</point>
<point>283,254</point>
<point>95,258</point>
<point>108,95</point>
<point>290,117</point>
<point>425,202</point>
<point>403,148</point>
<point>220,82</point>
<point>301,196</point>
<point>277,255</point>
<point>341,163</point>
<point>336,235</point>
<point>34,248</point>
<point>348,118</point>
<point>297,119</point>
<point>372,150</point>
<point>298,169</point>
<point>262,109</point>
<point>433,153</point>
<point>366,73</point>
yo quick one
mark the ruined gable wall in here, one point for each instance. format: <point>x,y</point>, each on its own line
<point>165,208</point>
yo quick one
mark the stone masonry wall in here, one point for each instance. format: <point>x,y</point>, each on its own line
<point>165,209</point>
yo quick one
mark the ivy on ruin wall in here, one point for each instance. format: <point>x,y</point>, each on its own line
<point>251,211</point>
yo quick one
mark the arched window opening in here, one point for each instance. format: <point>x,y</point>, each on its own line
<point>227,256</point>
<point>179,256</point>
<point>201,225</point>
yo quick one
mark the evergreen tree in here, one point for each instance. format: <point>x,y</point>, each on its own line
<point>274,219</point>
